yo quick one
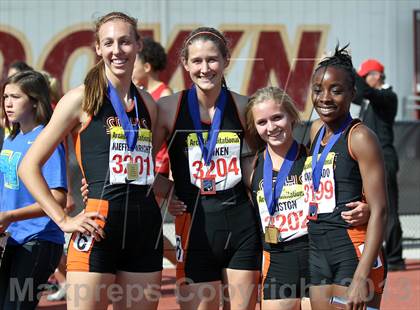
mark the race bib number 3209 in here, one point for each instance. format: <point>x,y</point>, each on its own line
<point>224,166</point>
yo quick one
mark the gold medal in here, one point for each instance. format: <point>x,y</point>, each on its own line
<point>271,234</point>
<point>132,171</point>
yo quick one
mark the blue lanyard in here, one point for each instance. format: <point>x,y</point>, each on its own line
<point>271,196</point>
<point>131,131</point>
<point>317,165</point>
<point>207,150</point>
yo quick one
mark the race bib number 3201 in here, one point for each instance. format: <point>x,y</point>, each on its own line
<point>224,165</point>
<point>135,167</point>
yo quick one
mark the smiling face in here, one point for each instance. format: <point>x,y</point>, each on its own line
<point>117,45</point>
<point>273,124</point>
<point>332,94</point>
<point>205,65</point>
<point>17,105</point>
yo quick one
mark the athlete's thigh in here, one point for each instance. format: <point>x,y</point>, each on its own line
<point>281,304</point>
<point>200,296</point>
<point>320,297</point>
<point>242,288</point>
<point>88,290</point>
<point>139,290</point>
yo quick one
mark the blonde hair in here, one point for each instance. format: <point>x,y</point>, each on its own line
<point>54,85</point>
<point>279,96</point>
<point>34,85</point>
<point>95,80</point>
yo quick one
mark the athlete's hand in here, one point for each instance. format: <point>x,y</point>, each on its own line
<point>84,190</point>
<point>357,295</point>
<point>359,215</point>
<point>85,223</point>
<point>176,207</point>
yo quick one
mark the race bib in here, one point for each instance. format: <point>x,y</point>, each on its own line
<point>134,167</point>
<point>83,243</point>
<point>290,216</point>
<point>325,196</point>
<point>224,166</point>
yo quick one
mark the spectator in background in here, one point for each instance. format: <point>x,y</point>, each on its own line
<point>378,110</point>
<point>18,66</point>
<point>149,62</point>
<point>35,244</point>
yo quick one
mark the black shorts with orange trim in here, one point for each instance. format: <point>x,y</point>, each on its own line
<point>286,270</point>
<point>221,232</point>
<point>133,239</point>
<point>334,255</point>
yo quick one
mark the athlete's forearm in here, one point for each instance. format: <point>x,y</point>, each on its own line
<point>373,242</point>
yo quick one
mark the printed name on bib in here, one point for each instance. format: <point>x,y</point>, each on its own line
<point>325,196</point>
<point>290,214</point>
<point>120,158</point>
<point>224,165</point>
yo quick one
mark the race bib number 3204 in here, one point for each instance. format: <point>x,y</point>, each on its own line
<point>224,165</point>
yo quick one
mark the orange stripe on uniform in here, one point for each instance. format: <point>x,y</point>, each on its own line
<point>80,246</point>
<point>377,273</point>
<point>182,232</point>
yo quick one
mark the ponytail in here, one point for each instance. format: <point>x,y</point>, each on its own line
<point>95,89</point>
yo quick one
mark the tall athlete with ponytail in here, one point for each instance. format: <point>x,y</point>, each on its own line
<point>116,240</point>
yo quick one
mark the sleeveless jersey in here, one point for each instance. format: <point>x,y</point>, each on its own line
<point>341,183</point>
<point>290,216</point>
<point>102,152</point>
<point>188,167</point>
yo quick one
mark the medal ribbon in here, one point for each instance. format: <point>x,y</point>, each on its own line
<point>207,150</point>
<point>317,165</point>
<point>131,131</point>
<point>272,193</point>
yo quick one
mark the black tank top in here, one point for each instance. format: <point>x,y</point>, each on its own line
<point>347,179</point>
<point>95,145</point>
<point>294,177</point>
<point>178,148</point>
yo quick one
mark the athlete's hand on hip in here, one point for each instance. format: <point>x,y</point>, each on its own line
<point>176,207</point>
<point>84,190</point>
<point>359,215</point>
<point>85,223</point>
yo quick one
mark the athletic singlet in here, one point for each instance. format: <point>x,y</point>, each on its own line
<point>102,152</point>
<point>291,212</point>
<point>341,183</point>
<point>186,157</point>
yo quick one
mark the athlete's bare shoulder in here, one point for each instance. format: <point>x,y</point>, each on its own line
<point>71,102</point>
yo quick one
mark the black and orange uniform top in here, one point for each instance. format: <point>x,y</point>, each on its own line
<point>335,246</point>
<point>285,265</point>
<point>220,230</point>
<point>133,221</point>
